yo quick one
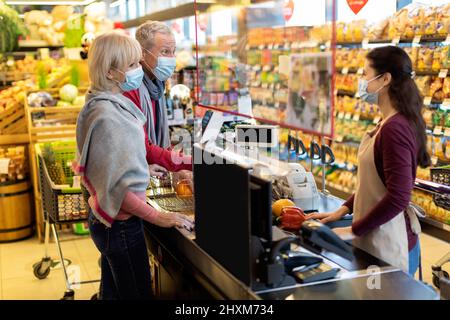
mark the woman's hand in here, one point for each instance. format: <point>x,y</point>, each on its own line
<point>173,219</point>
<point>325,217</point>
<point>344,233</point>
<point>329,216</point>
<point>156,170</point>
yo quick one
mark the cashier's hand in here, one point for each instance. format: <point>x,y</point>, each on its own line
<point>344,233</point>
<point>325,217</point>
<point>156,170</point>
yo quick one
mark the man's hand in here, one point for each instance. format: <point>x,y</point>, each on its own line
<point>182,175</point>
<point>156,170</point>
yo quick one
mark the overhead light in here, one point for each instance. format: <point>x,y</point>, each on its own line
<point>49,2</point>
<point>116,3</point>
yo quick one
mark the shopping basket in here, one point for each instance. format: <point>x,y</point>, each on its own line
<point>61,203</point>
<point>162,193</point>
<point>441,175</point>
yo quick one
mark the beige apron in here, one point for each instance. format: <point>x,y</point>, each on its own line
<point>389,242</point>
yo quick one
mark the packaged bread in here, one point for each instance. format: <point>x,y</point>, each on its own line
<point>425,58</point>
<point>379,30</point>
<point>398,23</point>
<point>446,88</point>
<point>443,18</point>
<point>423,83</point>
<point>436,89</point>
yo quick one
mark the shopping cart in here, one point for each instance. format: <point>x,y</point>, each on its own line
<point>440,189</point>
<point>61,204</point>
<point>441,175</point>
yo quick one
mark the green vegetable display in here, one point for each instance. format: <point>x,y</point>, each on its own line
<point>11,27</point>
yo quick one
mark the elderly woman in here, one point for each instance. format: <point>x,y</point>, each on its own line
<point>114,170</point>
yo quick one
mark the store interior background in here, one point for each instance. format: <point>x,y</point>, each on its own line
<point>213,31</point>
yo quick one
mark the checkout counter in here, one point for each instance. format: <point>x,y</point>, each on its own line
<point>222,258</point>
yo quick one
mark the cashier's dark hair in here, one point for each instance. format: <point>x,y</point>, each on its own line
<point>403,92</point>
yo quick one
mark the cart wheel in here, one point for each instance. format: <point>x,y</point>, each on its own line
<point>436,282</point>
<point>39,273</point>
<point>94,296</point>
<point>69,295</point>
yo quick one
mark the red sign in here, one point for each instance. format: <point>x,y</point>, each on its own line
<point>176,27</point>
<point>202,21</point>
<point>357,5</point>
<point>288,10</point>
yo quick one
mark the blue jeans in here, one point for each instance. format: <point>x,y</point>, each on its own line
<point>414,258</point>
<point>124,259</point>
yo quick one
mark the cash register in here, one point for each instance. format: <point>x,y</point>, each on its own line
<point>234,225</point>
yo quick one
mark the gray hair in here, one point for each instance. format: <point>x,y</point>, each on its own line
<point>145,33</point>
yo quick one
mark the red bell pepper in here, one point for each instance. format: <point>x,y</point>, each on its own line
<point>291,218</point>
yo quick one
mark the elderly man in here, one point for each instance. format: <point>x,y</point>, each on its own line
<point>158,61</point>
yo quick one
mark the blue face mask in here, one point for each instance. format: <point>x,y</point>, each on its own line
<point>371,97</point>
<point>133,79</point>
<point>164,68</point>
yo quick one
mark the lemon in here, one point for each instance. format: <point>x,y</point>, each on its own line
<point>278,205</point>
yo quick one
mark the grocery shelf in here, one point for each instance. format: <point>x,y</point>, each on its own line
<point>25,45</point>
<point>418,73</point>
<point>424,39</point>
<point>435,228</point>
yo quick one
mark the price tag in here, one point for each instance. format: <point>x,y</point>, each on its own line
<point>427,101</point>
<point>443,73</point>
<point>344,70</point>
<point>447,132</point>
<point>417,39</point>
<point>348,116</point>
<point>365,42</point>
<point>446,103</point>
<point>434,160</point>
<point>448,38</point>
<point>270,46</point>
<point>360,71</point>
<point>396,41</point>
<point>339,138</point>
<point>328,44</point>
<point>261,47</point>
<point>287,45</point>
<point>356,117</point>
<point>376,119</point>
<point>341,115</point>
<point>437,130</point>
<point>4,165</point>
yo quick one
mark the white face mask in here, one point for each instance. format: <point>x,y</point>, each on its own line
<point>165,67</point>
<point>369,97</point>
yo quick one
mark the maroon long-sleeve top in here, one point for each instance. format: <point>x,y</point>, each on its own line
<point>155,154</point>
<point>395,155</point>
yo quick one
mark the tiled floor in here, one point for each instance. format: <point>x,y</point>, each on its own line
<point>18,282</point>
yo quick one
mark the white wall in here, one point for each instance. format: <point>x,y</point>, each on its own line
<point>308,13</point>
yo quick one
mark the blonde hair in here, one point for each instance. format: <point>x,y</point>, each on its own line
<point>111,50</point>
<point>145,33</point>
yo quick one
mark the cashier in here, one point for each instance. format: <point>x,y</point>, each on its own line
<point>158,62</point>
<point>383,222</point>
